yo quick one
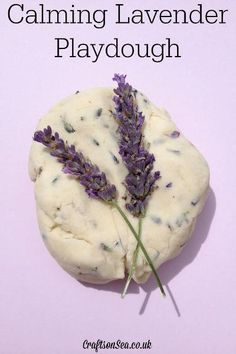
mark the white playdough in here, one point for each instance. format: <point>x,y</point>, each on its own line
<point>89,239</point>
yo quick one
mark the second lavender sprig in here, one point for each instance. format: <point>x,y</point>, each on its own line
<point>140,180</point>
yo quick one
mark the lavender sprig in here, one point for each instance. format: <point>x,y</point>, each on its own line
<point>140,181</point>
<point>95,182</point>
<point>89,175</point>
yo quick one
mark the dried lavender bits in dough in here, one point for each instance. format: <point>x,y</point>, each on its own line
<point>88,238</point>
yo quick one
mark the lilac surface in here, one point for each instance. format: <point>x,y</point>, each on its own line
<point>42,309</point>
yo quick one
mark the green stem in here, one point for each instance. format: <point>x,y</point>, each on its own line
<point>141,246</point>
<point>134,259</point>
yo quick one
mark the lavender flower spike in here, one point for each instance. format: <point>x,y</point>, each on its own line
<point>89,175</point>
<point>140,181</point>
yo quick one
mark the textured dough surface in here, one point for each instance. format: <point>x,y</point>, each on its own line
<point>89,239</point>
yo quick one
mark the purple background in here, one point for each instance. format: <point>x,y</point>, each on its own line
<point>44,310</point>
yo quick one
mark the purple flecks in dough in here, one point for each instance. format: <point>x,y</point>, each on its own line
<point>114,158</point>
<point>176,152</point>
<point>117,243</point>
<point>175,134</point>
<point>55,179</point>
<point>68,127</point>
<point>156,219</point>
<point>195,201</point>
<point>105,247</point>
<point>95,142</point>
<point>98,113</point>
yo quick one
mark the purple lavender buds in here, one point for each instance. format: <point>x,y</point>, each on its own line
<point>89,175</point>
<point>140,181</point>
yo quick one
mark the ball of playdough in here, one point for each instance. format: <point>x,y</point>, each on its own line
<point>90,239</point>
